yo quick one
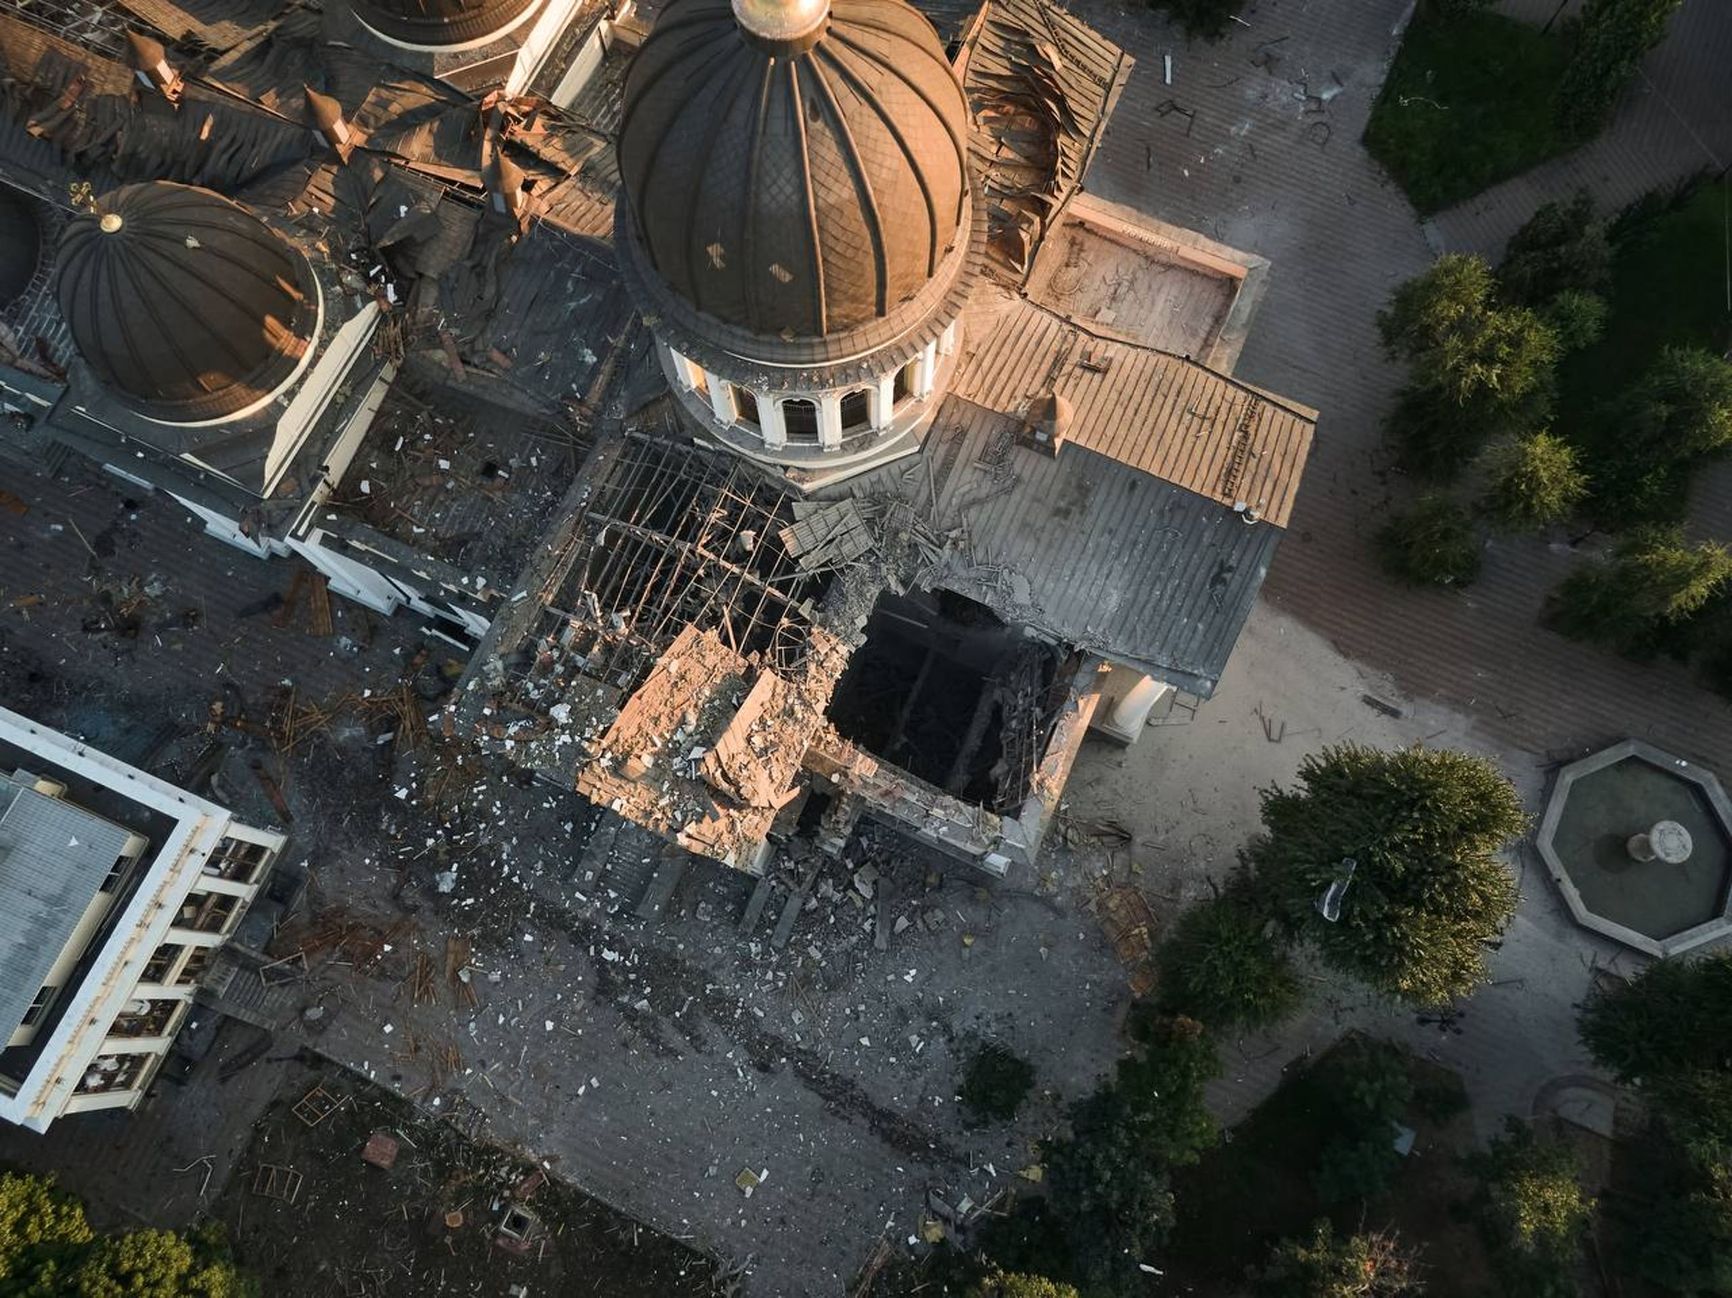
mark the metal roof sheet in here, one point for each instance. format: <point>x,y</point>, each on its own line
<point>1166,415</point>
<point>1084,548</point>
<point>54,856</point>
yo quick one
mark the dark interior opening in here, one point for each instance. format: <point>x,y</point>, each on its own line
<point>946,690</point>
<point>856,412</point>
<point>800,420</point>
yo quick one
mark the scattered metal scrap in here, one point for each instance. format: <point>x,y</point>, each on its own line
<point>273,1181</point>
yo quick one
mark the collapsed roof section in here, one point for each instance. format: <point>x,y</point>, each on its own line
<point>708,750</point>
<point>1041,84</point>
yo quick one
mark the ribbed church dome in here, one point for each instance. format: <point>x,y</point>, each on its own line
<point>439,24</point>
<point>794,169</point>
<point>187,307</point>
<point>20,245</point>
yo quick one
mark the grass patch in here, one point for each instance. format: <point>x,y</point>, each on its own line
<point>1468,102</point>
<point>1668,289</point>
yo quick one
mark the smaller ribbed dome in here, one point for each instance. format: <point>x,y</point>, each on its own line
<point>442,24</point>
<point>20,245</point>
<point>187,307</point>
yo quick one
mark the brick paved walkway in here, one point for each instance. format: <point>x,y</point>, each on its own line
<point>1266,169</point>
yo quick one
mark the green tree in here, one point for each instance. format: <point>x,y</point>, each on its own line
<point>1665,1030</point>
<point>1222,966</point>
<point>1447,323</point>
<point>47,1248</point>
<point>1323,1265</point>
<point>1531,1209</point>
<point>36,1220</point>
<point>1679,411</point>
<point>1533,482</point>
<point>1427,893</point>
<point>1670,1018</point>
<point>1431,544</point>
<point>1113,1202</point>
<point>150,1264</point>
<point>995,1083</point>
<point>1576,319</point>
<point>1164,1084</point>
<point>1683,1242</point>
<point>1111,1184</point>
<point>1640,602</point>
<point>1563,248</point>
<point>1364,1088</point>
<point>1609,41</point>
<point>1683,404</point>
<point>1017,1284</point>
<point>1478,368</point>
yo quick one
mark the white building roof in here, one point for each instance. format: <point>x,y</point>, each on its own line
<point>53,858</point>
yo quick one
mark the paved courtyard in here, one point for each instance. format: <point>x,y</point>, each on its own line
<point>1266,156</point>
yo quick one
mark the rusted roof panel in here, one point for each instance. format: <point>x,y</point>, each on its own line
<point>1164,415</point>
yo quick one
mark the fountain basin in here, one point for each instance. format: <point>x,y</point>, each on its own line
<point>1597,805</point>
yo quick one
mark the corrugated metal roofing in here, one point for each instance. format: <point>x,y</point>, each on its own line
<point>53,858</point>
<point>1083,548</point>
<point>1163,414</point>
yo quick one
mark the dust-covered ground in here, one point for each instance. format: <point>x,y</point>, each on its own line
<point>310,1215</point>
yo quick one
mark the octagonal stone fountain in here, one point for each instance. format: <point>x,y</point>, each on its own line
<point>1640,844</point>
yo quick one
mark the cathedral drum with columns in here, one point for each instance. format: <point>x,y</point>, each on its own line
<point>798,224</point>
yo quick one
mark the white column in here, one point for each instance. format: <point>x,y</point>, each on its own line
<point>721,397</point>
<point>883,400</point>
<point>770,421</point>
<point>689,372</point>
<point>947,339</point>
<point>925,370</point>
<point>830,420</point>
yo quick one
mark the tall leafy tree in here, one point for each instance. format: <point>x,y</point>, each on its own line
<point>1449,325</point>
<point>1609,40</point>
<point>1431,544</point>
<point>1532,1210</point>
<point>1533,482</point>
<point>1427,893</point>
<point>1478,368</point>
<point>47,1248</point>
<point>1369,1264</point>
<point>1111,1178</point>
<point>1641,600</point>
<point>36,1219</point>
<point>1222,966</point>
<point>1671,1017</point>
<point>1562,248</point>
<point>1665,1031</point>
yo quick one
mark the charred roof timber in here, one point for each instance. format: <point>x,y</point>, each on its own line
<point>187,307</point>
<point>795,169</point>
